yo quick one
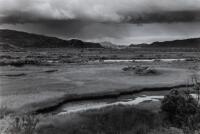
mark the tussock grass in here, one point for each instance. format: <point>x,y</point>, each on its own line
<point>121,119</point>
<point>19,124</point>
<point>141,70</point>
<point>19,62</point>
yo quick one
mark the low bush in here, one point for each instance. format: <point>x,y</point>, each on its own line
<point>19,62</point>
<point>181,110</point>
<point>141,70</point>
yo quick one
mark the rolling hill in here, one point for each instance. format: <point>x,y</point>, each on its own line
<point>185,43</point>
<point>11,38</point>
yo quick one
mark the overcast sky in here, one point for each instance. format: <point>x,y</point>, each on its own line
<point>118,21</point>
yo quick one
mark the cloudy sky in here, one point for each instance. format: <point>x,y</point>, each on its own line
<point>118,21</point>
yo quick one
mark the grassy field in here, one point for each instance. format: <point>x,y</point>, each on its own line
<point>45,78</point>
<point>39,86</point>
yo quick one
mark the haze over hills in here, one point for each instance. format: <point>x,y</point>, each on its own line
<point>11,38</point>
<point>108,44</point>
<point>185,43</point>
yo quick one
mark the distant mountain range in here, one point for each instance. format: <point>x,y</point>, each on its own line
<point>16,39</point>
<point>185,43</point>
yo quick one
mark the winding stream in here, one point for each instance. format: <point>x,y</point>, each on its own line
<point>84,106</point>
<point>95,105</point>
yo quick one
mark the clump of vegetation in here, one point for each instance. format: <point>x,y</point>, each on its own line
<point>4,111</point>
<point>8,57</point>
<point>181,110</point>
<point>25,124</point>
<point>141,70</point>
<point>19,62</point>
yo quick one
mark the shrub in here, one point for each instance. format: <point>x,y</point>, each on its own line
<point>141,70</point>
<point>181,110</point>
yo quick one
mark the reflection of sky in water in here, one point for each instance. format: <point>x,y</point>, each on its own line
<point>81,107</point>
<point>98,105</point>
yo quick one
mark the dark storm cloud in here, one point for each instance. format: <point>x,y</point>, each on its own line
<point>118,21</point>
<point>118,33</point>
<point>75,29</point>
<point>133,11</point>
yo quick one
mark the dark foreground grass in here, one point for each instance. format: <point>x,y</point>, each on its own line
<point>179,115</point>
<point>122,119</point>
<point>114,120</point>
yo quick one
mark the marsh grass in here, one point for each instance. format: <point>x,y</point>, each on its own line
<point>19,124</point>
<point>21,62</point>
<point>170,130</point>
<point>113,120</point>
<point>122,119</point>
<point>180,115</point>
<point>196,85</point>
<point>141,70</point>
<point>4,111</point>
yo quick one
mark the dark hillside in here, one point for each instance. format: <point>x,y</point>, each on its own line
<point>185,43</point>
<point>27,40</point>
